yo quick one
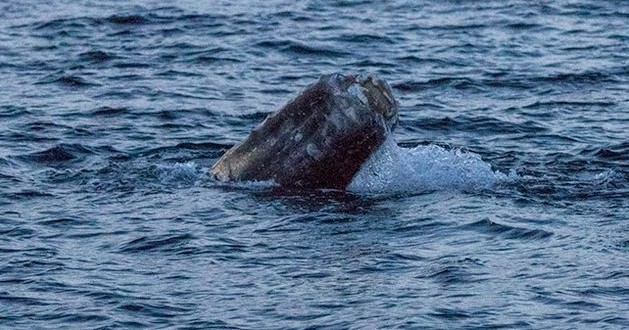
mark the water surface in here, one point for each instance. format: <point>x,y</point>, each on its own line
<point>505,204</point>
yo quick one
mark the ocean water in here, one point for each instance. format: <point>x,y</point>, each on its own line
<point>500,201</point>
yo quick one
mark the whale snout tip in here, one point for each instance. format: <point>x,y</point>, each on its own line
<point>380,97</point>
<point>370,90</point>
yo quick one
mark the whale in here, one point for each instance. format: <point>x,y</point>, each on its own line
<point>317,140</point>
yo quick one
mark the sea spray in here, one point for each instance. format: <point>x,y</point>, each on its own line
<point>392,169</point>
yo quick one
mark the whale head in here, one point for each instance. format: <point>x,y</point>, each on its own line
<point>319,139</point>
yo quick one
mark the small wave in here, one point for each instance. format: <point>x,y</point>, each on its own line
<point>461,272</point>
<point>567,104</point>
<point>207,146</point>
<point>62,222</point>
<point>66,23</point>
<point>479,124</point>
<point>110,111</point>
<point>209,59</point>
<point>515,82</point>
<point>30,194</point>
<point>22,300</point>
<point>127,19</point>
<point>13,111</point>
<point>365,38</point>
<point>167,242</point>
<point>96,56</point>
<point>58,154</point>
<point>202,146</point>
<point>449,314</point>
<point>373,63</point>
<point>574,78</point>
<point>419,60</point>
<point>417,86</point>
<point>254,116</point>
<point>78,318</point>
<point>297,48</point>
<point>131,65</point>
<point>39,126</point>
<point>612,152</point>
<point>392,169</point>
<point>177,73</point>
<point>487,226</point>
<point>521,26</point>
<point>71,81</point>
<point>182,46</point>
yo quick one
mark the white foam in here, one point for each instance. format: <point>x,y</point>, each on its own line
<point>392,169</point>
<point>251,185</point>
<point>186,174</point>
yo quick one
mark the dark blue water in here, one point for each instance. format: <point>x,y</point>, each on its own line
<point>506,205</point>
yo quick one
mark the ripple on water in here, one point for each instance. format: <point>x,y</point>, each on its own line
<point>479,124</point>
<point>110,111</point>
<point>58,154</point>
<point>489,227</point>
<point>97,56</point>
<point>70,81</point>
<point>127,19</point>
<point>293,47</point>
<point>177,243</point>
<point>13,111</point>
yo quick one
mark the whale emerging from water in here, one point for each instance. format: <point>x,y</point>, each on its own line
<point>320,139</point>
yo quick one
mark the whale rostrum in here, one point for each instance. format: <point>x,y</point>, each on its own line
<point>319,139</point>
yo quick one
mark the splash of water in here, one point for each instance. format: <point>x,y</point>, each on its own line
<point>392,169</point>
<point>186,174</point>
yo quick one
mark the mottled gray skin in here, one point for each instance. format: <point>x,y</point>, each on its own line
<point>320,139</point>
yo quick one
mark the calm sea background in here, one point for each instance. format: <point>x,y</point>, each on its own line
<point>505,205</point>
